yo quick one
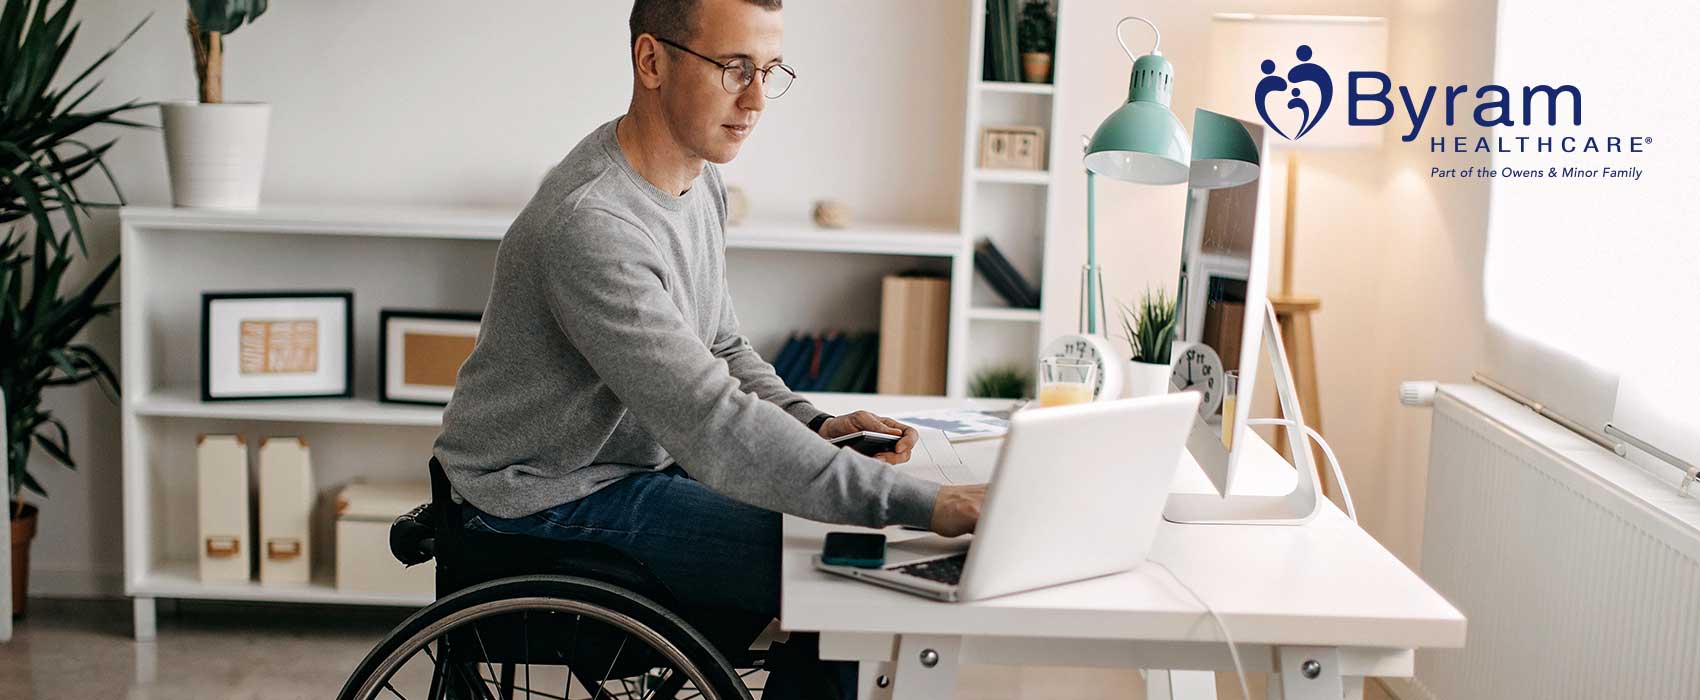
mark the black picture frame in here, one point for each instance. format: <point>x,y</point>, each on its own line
<point>210,298</point>
<point>384,318</point>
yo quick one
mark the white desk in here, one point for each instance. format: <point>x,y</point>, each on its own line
<point>1324,592</point>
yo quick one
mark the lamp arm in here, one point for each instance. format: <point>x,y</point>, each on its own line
<point>1123,42</point>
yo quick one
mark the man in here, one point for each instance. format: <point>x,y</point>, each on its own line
<point>610,396</point>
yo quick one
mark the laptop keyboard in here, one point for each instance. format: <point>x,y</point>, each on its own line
<point>947,570</point>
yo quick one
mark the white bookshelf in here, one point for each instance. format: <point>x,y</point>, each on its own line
<point>1012,207</point>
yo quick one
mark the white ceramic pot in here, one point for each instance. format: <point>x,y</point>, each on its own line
<point>1147,379</point>
<point>216,152</point>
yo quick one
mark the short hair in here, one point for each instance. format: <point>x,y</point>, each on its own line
<point>675,19</point>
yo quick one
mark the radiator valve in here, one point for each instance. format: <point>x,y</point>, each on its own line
<point>1417,393</point>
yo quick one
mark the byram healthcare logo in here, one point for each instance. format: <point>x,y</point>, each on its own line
<point>1373,100</point>
<point>1304,72</point>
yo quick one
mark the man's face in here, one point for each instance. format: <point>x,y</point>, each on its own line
<point>709,121</point>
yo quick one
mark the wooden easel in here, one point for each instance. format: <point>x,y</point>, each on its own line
<point>1293,312</point>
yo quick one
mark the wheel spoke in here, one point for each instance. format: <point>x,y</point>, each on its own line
<point>617,653</point>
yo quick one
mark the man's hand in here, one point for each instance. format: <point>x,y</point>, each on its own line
<point>850,423</point>
<point>957,509</point>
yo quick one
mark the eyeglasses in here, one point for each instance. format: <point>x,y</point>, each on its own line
<point>737,74</point>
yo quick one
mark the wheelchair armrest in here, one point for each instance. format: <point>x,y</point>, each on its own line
<point>412,538</point>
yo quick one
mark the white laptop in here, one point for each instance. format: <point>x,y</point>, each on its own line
<point>1078,492</point>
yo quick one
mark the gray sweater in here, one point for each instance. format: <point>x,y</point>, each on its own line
<point>609,347</point>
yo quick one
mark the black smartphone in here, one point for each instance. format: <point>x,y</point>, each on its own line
<point>868,442</point>
<point>859,549</point>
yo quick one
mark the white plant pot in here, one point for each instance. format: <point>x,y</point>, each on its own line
<point>1147,379</point>
<point>216,152</point>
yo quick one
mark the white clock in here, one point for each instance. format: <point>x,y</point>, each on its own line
<point>1199,368</point>
<point>1097,350</point>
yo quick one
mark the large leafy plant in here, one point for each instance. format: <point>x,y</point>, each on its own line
<point>209,22</point>
<point>41,160</point>
<point>1150,331</point>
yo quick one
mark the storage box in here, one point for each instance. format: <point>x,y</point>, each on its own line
<point>914,334</point>
<point>286,507</point>
<point>221,486</point>
<point>364,513</point>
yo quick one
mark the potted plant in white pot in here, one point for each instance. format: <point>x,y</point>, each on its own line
<point>1036,37</point>
<point>41,160</point>
<point>1150,338</point>
<point>216,150</point>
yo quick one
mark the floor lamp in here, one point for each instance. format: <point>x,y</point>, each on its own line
<point>1290,71</point>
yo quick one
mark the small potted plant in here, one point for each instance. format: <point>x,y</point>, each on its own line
<point>216,150</point>
<point>1150,335</point>
<point>42,156</point>
<point>1002,383</point>
<point>1036,36</point>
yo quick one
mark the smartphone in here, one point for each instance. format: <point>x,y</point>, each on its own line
<point>858,549</point>
<point>867,442</point>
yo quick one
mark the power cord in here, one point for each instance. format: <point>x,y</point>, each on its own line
<point>1351,511</point>
<point>1239,670</point>
<point>1333,462</point>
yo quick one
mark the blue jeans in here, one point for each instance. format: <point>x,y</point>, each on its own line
<point>710,551</point>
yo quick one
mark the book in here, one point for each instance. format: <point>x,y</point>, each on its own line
<point>1003,277</point>
<point>839,378</point>
<point>832,354</point>
<point>787,352</point>
<point>860,353</point>
<point>795,353</point>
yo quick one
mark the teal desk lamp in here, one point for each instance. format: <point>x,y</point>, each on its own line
<point>1141,142</point>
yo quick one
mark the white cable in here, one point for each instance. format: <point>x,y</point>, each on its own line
<point>1333,463</point>
<point>1239,670</point>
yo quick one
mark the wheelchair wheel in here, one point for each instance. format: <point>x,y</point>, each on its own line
<point>553,637</point>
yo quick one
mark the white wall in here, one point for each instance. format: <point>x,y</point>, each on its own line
<point>447,103</point>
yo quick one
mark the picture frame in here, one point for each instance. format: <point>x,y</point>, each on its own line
<point>420,353</point>
<point>258,345</point>
<point>1012,147</point>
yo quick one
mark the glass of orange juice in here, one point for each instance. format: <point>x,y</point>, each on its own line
<point>1230,394</point>
<point>1065,381</point>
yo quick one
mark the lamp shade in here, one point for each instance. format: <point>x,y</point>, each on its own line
<point>1262,58</point>
<point>1142,141</point>
<point>1223,152</point>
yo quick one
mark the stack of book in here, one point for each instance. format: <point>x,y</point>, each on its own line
<point>830,361</point>
<point>1003,277</point>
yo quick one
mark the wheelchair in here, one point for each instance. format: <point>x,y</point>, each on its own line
<point>519,616</point>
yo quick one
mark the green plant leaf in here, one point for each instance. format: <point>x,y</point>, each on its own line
<point>42,163</point>
<point>225,16</point>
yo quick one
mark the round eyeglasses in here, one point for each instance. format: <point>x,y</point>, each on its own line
<point>737,74</point>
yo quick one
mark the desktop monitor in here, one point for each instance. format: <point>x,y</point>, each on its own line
<point>1220,314</point>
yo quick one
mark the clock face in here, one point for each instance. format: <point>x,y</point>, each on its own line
<point>1200,369</point>
<point>1097,350</point>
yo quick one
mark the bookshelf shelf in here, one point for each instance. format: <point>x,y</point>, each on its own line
<point>1016,88</point>
<point>993,313</point>
<point>1017,177</point>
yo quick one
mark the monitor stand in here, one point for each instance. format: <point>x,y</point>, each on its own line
<point>1295,508</point>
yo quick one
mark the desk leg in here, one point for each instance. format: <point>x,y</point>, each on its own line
<point>926,667</point>
<point>1311,673</point>
<point>1180,685</point>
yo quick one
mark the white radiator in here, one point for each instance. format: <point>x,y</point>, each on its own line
<point>1579,572</point>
